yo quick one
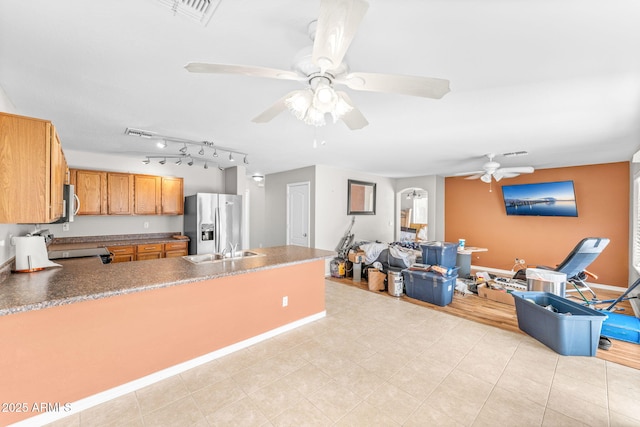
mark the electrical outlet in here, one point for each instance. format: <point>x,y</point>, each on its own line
<point>65,226</point>
<point>146,224</point>
<point>285,301</point>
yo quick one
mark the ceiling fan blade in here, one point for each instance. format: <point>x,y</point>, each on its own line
<point>276,108</point>
<point>475,176</point>
<point>427,87</point>
<point>247,70</point>
<point>518,170</point>
<point>486,178</point>
<point>469,173</point>
<point>337,24</point>
<point>354,119</point>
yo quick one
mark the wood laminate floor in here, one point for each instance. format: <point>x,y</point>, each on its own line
<point>503,316</point>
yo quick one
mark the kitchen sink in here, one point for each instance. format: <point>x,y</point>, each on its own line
<point>220,257</point>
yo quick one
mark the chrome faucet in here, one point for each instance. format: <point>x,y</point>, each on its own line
<point>234,248</point>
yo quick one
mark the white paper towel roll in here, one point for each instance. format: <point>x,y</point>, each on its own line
<point>31,252</point>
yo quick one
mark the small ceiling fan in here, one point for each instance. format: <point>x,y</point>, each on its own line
<point>493,169</point>
<point>323,66</point>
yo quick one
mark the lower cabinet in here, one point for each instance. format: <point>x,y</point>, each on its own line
<point>175,249</point>
<point>154,251</point>
<point>149,251</point>
<point>122,253</point>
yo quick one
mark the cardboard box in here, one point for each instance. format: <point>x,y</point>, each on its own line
<point>495,295</point>
<point>356,256</point>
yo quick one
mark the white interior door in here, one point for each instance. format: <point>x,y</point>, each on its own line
<point>298,214</point>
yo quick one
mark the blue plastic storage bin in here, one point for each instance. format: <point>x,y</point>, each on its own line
<point>429,287</point>
<point>622,327</point>
<point>439,253</point>
<point>573,331</point>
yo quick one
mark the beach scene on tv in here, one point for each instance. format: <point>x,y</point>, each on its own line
<point>542,199</point>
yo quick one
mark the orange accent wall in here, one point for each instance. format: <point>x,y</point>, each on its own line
<point>602,195</point>
<point>66,353</point>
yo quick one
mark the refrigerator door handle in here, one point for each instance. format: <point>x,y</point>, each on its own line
<point>217,229</point>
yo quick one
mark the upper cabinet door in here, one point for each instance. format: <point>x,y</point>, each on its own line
<point>91,189</point>
<point>172,196</point>
<point>30,191</point>
<point>147,194</point>
<point>120,193</point>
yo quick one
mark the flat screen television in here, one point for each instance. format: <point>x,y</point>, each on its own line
<point>541,199</point>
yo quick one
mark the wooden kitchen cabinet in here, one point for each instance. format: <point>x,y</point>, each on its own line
<point>175,249</point>
<point>122,253</point>
<point>33,171</point>
<point>147,194</point>
<point>149,251</point>
<point>91,189</point>
<point>172,196</point>
<point>119,193</point>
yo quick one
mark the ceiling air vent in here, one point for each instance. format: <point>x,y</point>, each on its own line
<point>515,153</point>
<point>199,10</point>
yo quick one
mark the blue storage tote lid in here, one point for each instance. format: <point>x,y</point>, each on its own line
<point>439,253</point>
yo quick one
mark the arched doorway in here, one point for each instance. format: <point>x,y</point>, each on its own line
<point>413,209</point>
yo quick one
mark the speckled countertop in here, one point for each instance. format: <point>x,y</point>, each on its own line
<point>84,242</point>
<point>83,279</point>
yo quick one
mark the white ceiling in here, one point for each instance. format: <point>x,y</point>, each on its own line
<point>557,78</point>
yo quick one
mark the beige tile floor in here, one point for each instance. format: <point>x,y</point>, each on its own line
<point>378,361</point>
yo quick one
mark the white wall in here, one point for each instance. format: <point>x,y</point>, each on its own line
<point>275,213</point>
<point>257,213</point>
<point>7,230</point>
<point>331,214</point>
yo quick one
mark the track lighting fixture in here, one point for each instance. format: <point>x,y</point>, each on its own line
<point>206,165</point>
<point>163,141</point>
<point>221,168</point>
<point>146,161</point>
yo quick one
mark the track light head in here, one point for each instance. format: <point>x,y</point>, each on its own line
<point>246,161</point>
<point>179,162</point>
<point>206,165</point>
<point>215,152</point>
<point>231,159</point>
<point>201,152</point>
<point>190,162</point>
<point>146,161</point>
<point>162,144</point>
<point>163,161</point>
<point>184,149</point>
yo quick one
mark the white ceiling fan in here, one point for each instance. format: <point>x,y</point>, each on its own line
<point>323,66</point>
<point>493,169</point>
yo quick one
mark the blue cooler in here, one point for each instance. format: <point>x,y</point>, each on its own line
<point>439,253</point>
<point>429,287</point>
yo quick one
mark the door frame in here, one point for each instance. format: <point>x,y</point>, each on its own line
<point>288,220</point>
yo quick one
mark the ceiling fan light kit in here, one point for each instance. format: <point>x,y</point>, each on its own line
<point>324,66</point>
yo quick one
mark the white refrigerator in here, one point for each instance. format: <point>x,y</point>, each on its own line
<point>213,222</point>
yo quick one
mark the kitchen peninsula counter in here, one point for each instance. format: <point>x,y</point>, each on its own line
<point>83,279</point>
<point>88,332</point>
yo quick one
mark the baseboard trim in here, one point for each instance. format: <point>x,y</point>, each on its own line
<point>121,390</point>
